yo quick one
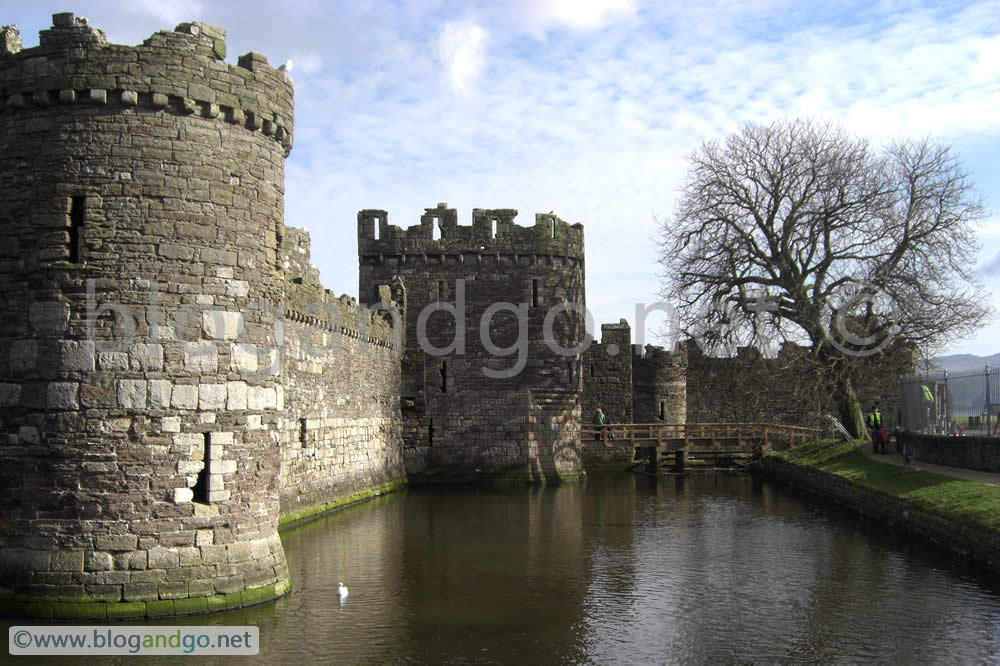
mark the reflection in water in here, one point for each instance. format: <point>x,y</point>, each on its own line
<point>709,568</point>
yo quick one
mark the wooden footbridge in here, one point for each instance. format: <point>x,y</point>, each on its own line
<point>696,439</point>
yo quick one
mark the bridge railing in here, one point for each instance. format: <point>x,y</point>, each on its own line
<point>660,434</point>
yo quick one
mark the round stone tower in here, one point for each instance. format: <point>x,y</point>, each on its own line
<point>141,203</point>
<point>494,331</point>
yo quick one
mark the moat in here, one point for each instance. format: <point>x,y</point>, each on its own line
<point>707,568</point>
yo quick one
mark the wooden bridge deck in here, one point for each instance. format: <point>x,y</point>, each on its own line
<point>692,436</point>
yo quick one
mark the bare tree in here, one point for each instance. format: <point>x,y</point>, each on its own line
<point>796,231</point>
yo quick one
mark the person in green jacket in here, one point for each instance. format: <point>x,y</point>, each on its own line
<point>875,427</point>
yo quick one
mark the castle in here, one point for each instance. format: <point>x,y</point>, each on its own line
<point>175,382</point>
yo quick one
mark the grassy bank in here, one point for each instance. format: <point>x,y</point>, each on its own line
<point>964,502</point>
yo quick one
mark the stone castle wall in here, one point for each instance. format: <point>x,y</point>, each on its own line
<point>341,432</point>
<point>607,375</point>
<point>508,405</point>
<point>752,388</point>
<point>162,405</point>
<point>659,379</point>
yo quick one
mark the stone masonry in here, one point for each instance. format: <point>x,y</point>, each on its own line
<point>494,325</point>
<point>148,352</point>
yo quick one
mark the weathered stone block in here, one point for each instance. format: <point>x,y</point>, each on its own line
<point>66,560</point>
<point>184,396</point>
<point>76,355</point>
<point>10,394</point>
<point>116,542</point>
<point>140,591</point>
<point>130,98</point>
<point>23,355</point>
<point>211,396</point>
<point>163,558</point>
<point>48,317</point>
<point>97,561</point>
<point>63,395</point>
<point>218,495</point>
<point>223,466</point>
<point>146,356</point>
<point>159,393</point>
<point>170,424</point>
<point>201,357</point>
<point>182,495</point>
<point>112,361</point>
<point>221,324</point>
<point>236,393</point>
<point>243,358</point>
<point>132,393</point>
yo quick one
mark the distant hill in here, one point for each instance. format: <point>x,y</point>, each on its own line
<point>966,363</point>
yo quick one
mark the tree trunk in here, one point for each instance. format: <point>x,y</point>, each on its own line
<point>850,409</point>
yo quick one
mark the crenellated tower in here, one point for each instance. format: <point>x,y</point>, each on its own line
<point>141,203</point>
<point>494,326</point>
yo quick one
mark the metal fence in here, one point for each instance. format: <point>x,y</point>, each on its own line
<point>951,404</point>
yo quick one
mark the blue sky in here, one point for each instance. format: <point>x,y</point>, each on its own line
<point>584,107</point>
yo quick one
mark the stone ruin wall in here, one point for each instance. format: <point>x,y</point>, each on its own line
<point>341,433</point>
<point>455,415</point>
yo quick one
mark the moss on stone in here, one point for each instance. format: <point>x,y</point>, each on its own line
<point>160,608</point>
<point>191,605</point>
<point>234,600</point>
<point>216,602</point>
<point>258,595</point>
<point>89,611</point>
<point>126,609</point>
<point>315,511</point>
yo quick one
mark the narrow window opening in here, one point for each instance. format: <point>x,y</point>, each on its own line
<point>77,214</point>
<point>430,433</point>
<point>534,293</point>
<point>553,228</point>
<point>444,377</point>
<point>661,410</point>
<point>591,369</point>
<point>375,231</point>
<point>302,432</point>
<point>435,229</point>
<point>569,370</point>
<point>442,290</point>
<point>200,489</point>
<point>493,228</point>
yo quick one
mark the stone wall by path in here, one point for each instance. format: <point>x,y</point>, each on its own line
<point>980,452</point>
<point>977,544</point>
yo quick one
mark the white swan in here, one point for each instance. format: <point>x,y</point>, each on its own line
<point>342,591</point>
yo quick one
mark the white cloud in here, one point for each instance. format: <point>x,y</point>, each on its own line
<point>577,14</point>
<point>462,51</point>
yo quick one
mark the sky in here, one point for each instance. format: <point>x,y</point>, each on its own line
<point>588,108</point>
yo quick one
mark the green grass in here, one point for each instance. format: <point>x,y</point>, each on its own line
<point>958,500</point>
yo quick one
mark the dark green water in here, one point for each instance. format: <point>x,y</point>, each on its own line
<point>706,569</point>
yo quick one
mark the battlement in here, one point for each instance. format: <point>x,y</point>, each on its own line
<point>180,72</point>
<point>493,231</point>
